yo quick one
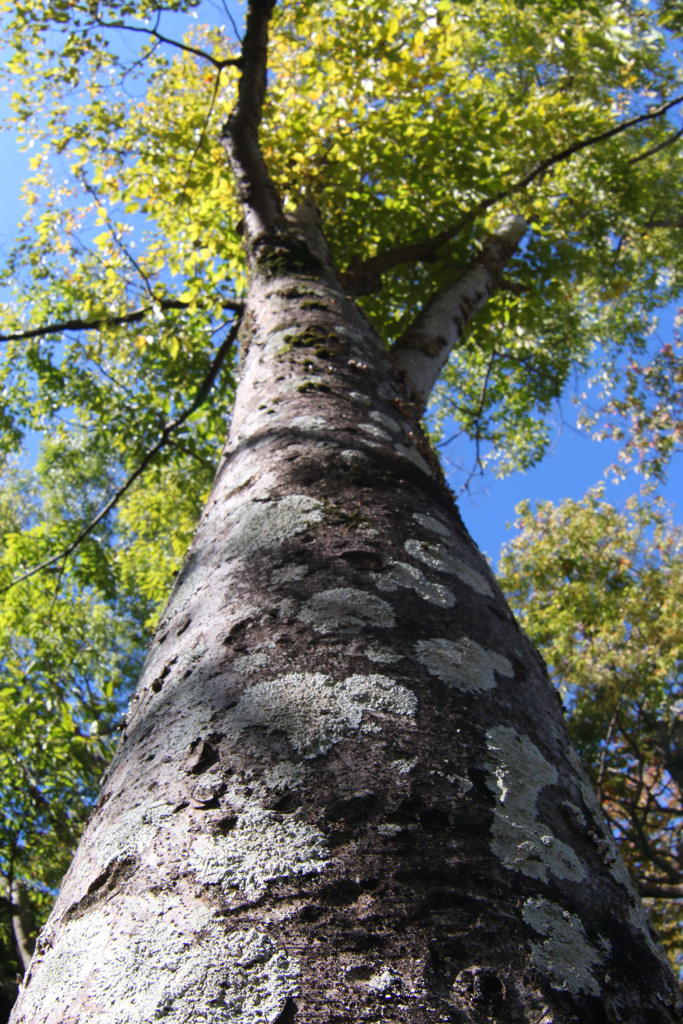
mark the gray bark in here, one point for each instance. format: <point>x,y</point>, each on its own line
<point>345,791</point>
<point>423,350</point>
<point>22,923</point>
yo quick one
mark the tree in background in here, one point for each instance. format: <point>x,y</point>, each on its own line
<point>432,141</point>
<point>600,592</point>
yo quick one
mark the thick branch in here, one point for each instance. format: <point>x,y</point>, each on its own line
<point>423,349</point>
<point>96,323</point>
<point>673,224</point>
<point>256,192</point>
<point>169,429</point>
<point>663,890</point>
<point>363,276</point>
<point>22,922</point>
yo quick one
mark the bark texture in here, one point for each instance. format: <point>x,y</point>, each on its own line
<point>345,791</point>
<point>423,350</point>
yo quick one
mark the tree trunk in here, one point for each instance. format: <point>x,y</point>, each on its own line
<point>345,791</point>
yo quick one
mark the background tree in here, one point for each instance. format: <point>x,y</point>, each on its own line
<point>589,89</point>
<point>599,591</point>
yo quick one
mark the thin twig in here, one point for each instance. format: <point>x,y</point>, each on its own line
<point>228,62</point>
<point>232,21</point>
<point>92,191</point>
<point>96,323</point>
<point>657,149</point>
<point>201,395</point>
<point>202,136</point>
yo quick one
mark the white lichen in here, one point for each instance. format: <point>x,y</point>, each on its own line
<point>308,423</point>
<point>358,397</point>
<point>154,957</point>
<point>132,833</point>
<point>389,831</point>
<point>375,432</point>
<point>518,773</point>
<point>385,983</point>
<point>462,664</point>
<point>402,767</point>
<point>248,791</point>
<point>381,655</point>
<point>401,574</point>
<point>353,455</point>
<point>288,574</point>
<point>261,849</point>
<point>315,712</point>
<point>285,775</point>
<point>286,607</point>
<point>565,956</point>
<point>248,663</point>
<point>385,421</point>
<point>437,556</point>
<point>264,524</point>
<point>430,523</point>
<point>414,457</point>
<point>346,610</point>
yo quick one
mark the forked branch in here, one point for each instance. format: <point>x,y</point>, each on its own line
<point>423,349</point>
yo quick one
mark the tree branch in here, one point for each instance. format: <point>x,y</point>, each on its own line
<point>234,62</point>
<point>424,347</point>
<point>362,277</point>
<point>256,192</point>
<point>200,397</point>
<point>657,149</point>
<point>661,890</point>
<point>95,323</point>
<point>209,113</point>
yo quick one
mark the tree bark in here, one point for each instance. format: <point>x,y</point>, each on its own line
<point>423,349</point>
<point>23,926</point>
<point>345,791</point>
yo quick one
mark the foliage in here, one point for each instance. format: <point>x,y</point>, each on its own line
<point>642,409</point>
<point>405,123</point>
<point>601,592</point>
<point>72,641</point>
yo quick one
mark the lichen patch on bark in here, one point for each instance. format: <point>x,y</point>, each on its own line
<point>565,956</point>
<point>346,610</point>
<point>176,963</point>
<point>518,773</point>
<point>462,664</point>
<point>401,574</point>
<point>414,457</point>
<point>306,423</point>
<point>433,524</point>
<point>262,524</point>
<point>314,711</point>
<point>288,574</point>
<point>438,557</point>
<point>262,848</point>
<point>132,833</point>
<point>387,422</point>
<point>372,430</point>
